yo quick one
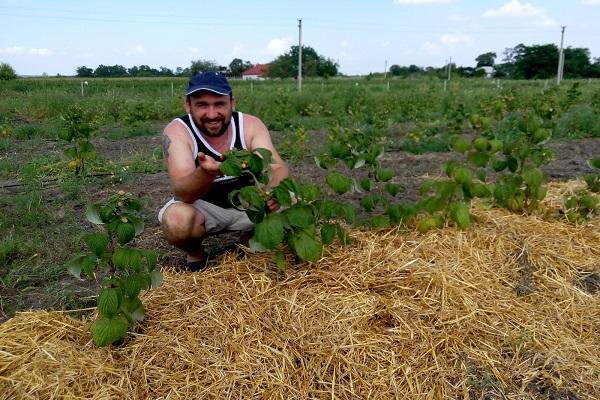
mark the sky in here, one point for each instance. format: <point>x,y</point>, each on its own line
<point>56,37</point>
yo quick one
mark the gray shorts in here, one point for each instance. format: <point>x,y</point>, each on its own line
<point>216,219</point>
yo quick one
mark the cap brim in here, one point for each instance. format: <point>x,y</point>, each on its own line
<point>210,89</point>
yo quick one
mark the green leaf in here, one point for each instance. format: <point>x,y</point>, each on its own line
<point>339,150</point>
<point>366,184</point>
<point>358,162</point>
<point>151,260</point>
<point>324,161</point>
<point>138,224</point>
<point>86,149</point>
<point>328,233</point>
<point>108,302</point>
<point>265,154</point>
<point>594,163</point>
<point>343,235</point>
<point>133,310</point>
<point>282,195</point>
<point>257,164</point>
<point>380,221</point>
<point>309,192</point>
<point>533,176</point>
<point>270,231</point>
<point>479,159</point>
<point>231,166</point>
<point>92,214</point>
<point>132,285</point>
<point>97,242</point>
<point>106,330</point>
<point>306,246</point>
<point>463,175</point>
<point>125,232</point>
<point>384,174</point>
<point>71,152</point>
<point>369,202</point>
<point>75,265</point>
<point>513,163</point>
<point>299,216</point>
<point>338,182</point>
<point>392,188</point>
<point>251,196</point>
<point>499,165</point>
<point>459,212</point>
<point>460,144</point>
<point>89,264</point>
<point>255,246</point>
<point>156,278</point>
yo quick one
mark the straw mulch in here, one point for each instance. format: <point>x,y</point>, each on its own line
<point>505,310</point>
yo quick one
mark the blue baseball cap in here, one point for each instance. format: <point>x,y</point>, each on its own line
<point>211,81</point>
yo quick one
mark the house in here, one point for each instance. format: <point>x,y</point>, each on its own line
<point>489,71</point>
<point>256,72</point>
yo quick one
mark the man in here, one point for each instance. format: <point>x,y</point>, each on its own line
<point>193,146</point>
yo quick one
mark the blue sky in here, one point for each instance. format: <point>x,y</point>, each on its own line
<point>55,37</point>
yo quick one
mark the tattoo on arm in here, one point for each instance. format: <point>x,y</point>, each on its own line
<point>166,142</point>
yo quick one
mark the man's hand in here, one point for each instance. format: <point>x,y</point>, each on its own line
<point>209,164</point>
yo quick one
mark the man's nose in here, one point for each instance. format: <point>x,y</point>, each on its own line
<point>211,112</point>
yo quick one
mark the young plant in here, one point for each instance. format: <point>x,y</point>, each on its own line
<point>581,207</point>
<point>77,133</point>
<point>593,180</point>
<point>125,270</point>
<point>521,184</point>
<point>354,149</point>
<point>296,223</point>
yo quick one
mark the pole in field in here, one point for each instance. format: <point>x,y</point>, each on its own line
<point>561,57</point>
<point>300,54</point>
<point>172,91</point>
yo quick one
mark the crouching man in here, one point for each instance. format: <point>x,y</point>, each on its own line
<point>193,145</point>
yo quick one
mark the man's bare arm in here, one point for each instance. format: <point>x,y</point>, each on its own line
<point>188,182</point>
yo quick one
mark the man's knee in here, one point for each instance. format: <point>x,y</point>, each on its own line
<point>182,221</point>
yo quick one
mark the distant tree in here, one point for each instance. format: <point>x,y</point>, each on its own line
<point>397,70</point>
<point>84,72</point>
<point>237,66</point>
<point>577,62</point>
<point>164,71</point>
<point>486,59</point>
<point>199,66</point>
<point>110,71</point>
<point>7,72</point>
<point>286,65</point>
<point>536,61</point>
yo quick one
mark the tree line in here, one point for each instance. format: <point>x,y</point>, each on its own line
<point>284,66</point>
<point>519,62</point>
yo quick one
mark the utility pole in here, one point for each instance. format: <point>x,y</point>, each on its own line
<point>561,57</point>
<point>449,68</point>
<point>385,71</point>
<point>300,55</point>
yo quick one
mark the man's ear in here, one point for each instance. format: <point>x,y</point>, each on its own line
<point>187,105</point>
<point>233,102</point>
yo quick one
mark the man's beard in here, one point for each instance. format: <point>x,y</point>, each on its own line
<point>204,129</point>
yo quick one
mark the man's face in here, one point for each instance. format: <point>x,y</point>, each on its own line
<point>211,112</point>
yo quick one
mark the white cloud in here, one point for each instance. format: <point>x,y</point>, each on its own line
<point>278,46</point>
<point>516,9</point>
<point>238,50</point>
<point>453,39</point>
<point>13,50</point>
<point>194,50</point>
<point>422,1</point>
<point>136,50</point>
<point>345,43</point>
<point>591,2</point>
<point>40,52</point>
<point>19,50</point>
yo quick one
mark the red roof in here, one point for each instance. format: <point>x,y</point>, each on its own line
<point>258,69</point>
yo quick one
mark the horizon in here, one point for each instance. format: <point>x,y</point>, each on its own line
<point>362,38</point>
